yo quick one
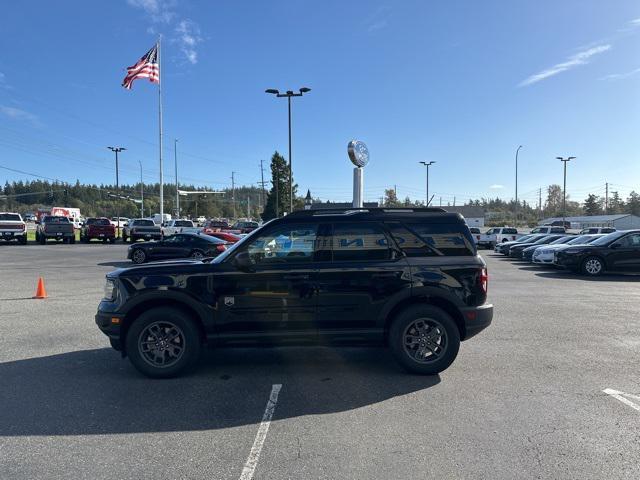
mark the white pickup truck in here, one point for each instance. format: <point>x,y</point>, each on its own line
<point>497,235</point>
<point>12,227</point>
<point>172,227</point>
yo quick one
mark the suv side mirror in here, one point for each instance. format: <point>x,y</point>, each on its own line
<point>243,262</point>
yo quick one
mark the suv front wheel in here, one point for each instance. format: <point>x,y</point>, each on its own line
<point>424,339</point>
<point>163,343</point>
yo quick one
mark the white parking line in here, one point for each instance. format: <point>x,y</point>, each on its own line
<point>622,397</point>
<point>254,454</point>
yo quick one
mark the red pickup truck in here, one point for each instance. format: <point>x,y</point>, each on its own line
<point>98,228</point>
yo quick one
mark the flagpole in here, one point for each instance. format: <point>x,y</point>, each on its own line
<point>160,129</point>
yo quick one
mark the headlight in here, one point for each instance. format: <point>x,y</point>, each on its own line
<point>110,290</point>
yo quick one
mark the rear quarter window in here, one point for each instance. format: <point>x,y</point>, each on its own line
<point>433,239</point>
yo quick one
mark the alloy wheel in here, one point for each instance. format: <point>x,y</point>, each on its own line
<point>593,266</point>
<point>425,340</point>
<point>139,256</point>
<point>161,344</point>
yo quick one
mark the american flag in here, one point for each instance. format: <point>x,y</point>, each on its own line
<point>146,67</point>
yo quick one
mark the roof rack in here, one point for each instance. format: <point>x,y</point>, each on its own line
<point>356,211</point>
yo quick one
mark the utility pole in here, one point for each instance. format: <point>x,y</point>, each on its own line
<point>262,182</point>
<point>233,193</point>
<point>564,188</point>
<point>440,201</point>
<point>141,191</point>
<point>606,199</point>
<point>175,159</point>
<point>516,207</point>
<point>248,206</point>
<point>454,201</point>
<point>117,150</point>
<point>540,203</point>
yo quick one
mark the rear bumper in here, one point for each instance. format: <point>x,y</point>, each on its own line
<point>476,319</point>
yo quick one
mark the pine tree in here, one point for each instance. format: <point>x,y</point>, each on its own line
<point>616,204</point>
<point>633,203</point>
<point>278,196</point>
<point>593,205</point>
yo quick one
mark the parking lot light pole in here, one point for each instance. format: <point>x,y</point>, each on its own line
<point>516,211</point>
<point>564,188</point>
<point>289,94</point>
<point>427,164</point>
<point>117,150</point>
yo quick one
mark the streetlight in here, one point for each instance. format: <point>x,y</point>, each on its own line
<point>141,192</point>
<point>564,188</point>
<point>117,150</point>
<point>516,212</point>
<point>289,94</point>
<point>427,164</point>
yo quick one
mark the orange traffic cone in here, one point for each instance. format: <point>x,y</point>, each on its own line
<point>40,291</point>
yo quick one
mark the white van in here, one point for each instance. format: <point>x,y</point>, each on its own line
<point>160,219</point>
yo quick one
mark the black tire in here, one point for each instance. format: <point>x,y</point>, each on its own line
<point>156,326</point>
<point>441,339</point>
<point>138,256</point>
<point>592,266</point>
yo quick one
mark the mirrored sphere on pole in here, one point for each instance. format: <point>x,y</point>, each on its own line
<point>358,153</point>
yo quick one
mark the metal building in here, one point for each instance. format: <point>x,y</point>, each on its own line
<point>623,221</point>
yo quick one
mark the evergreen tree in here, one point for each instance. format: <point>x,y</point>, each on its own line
<point>390,198</point>
<point>616,204</point>
<point>593,205</point>
<point>278,196</point>
<point>633,203</point>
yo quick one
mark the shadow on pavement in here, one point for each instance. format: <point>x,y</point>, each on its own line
<point>94,392</point>
<point>117,264</point>
<point>608,277</point>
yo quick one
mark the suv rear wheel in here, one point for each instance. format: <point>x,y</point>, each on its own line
<point>592,266</point>
<point>163,343</point>
<point>424,339</point>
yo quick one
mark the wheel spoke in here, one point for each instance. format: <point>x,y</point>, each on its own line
<point>425,340</point>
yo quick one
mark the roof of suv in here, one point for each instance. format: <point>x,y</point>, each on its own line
<point>435,214</point>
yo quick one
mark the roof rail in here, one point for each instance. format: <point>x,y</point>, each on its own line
<point>356,211</point>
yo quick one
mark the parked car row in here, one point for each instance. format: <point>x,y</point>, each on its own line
<point>591,254</point>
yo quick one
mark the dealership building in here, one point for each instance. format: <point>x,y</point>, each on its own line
<point>623,221</point>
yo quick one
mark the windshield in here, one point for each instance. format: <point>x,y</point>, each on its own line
<point>56,220</point>
<point>609,238</point>
<point>224,255</point>
<point>562,240</point>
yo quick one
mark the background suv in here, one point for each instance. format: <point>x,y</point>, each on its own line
<point>406,278</point>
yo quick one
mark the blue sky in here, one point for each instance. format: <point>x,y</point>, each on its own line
<point>460,82</point>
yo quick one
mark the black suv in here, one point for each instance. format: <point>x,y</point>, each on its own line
<point>409,278</point>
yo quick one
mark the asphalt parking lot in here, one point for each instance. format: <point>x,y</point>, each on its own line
<point>524,399</point>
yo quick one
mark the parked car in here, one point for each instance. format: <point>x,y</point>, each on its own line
<point>245,226</point>
<point>99,229</point>
<point>548,229</point>
<point>589,230</point>
<point>410,279</point>
<point>55,227</point>
<point>494,236</point>
<point>527,253</point>
<point>141,228</point>
<point>544,254</point>
<point>226,236</point>
<point>505,246</point>
<point>200,220</point>
<point>516,250</point>
<point>615,252</point>
<point>559,223</point>
<point>181,245</point>
<point>30,217</point>
<point>12,227</point>
<point>178,226</point>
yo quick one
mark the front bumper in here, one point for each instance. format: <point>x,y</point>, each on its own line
<point>476,319</point>
<point>109,324</point>
<point>543,259</point>
<point>564,260</point>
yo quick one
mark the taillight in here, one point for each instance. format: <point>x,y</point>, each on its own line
<point>484,280</point>
<point>221,248</point>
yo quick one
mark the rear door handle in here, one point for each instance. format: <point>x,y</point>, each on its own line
<point>296,277</point>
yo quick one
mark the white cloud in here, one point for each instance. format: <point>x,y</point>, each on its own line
<point>496,186</point>
<point>377,19</point>
<point>621,76</point>
<point>18,114</point>
<point>159,11</point>
<point>635,22</point>
<point>580,58</point>
<point>188,37</point>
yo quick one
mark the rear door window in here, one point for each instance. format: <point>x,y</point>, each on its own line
<point>360,241</point>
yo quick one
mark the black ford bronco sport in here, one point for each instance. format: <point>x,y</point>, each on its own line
<point>407,278</point>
